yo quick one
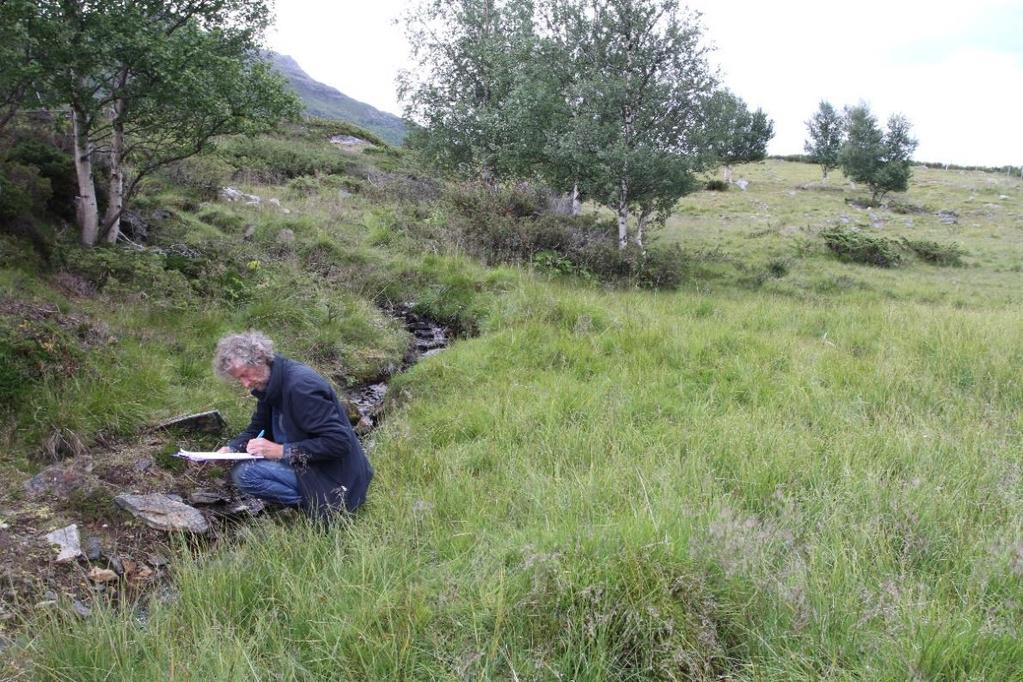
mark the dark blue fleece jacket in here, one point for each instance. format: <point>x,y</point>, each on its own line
<point>300,405</point>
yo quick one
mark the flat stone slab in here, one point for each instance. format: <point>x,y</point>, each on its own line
<point>203,422</point>
<point>69,542</point>
<point>163,512</point>
<point>200,497</point>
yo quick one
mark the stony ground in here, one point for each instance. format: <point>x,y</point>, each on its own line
<point>118,555</point>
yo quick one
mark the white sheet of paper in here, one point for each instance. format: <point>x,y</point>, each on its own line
<point>211,456</point>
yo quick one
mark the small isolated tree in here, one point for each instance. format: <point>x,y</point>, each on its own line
<point>738,135</point>
<point>879,160</point>
<point>826,129</point>
<point>638,100</point>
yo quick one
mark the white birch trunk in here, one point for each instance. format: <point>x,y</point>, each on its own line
<point>86,208</point>
<point>115,205</point>
<point>623,214</point>
<point>577,205</point>
<point>640,226</point>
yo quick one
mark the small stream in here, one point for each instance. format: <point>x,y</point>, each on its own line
<point>429,337</point>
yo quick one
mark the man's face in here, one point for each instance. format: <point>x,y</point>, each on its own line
<point>252,378</point>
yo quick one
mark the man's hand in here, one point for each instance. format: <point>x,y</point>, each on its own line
<point>264,447</point>
<point>226,448</point>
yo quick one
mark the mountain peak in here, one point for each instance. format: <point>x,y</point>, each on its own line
<point>323,101</point>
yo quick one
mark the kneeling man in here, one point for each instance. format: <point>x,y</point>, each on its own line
<point>312,458</point>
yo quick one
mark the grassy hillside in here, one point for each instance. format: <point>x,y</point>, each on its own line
<point>791,467</point>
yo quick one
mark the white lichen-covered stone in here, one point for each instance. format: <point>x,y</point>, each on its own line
<point>69,542</point>
<point>163,512</point>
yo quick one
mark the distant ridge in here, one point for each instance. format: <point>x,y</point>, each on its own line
<point>326,102</point>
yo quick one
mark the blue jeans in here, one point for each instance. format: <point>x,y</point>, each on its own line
<point>267,479</point>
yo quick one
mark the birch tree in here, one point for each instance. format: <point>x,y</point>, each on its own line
<point>880,160</point>
<point>826,130</point>
<point>469,55</point>
<point>642,92</point>
<point>152,81</point>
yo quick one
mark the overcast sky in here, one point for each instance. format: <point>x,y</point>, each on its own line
<point>955,69</point>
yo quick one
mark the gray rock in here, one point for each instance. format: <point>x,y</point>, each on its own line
<point>144,464</point>
<point>286,236</point>
<point>235,194</point>
<point>206,497</point>
<point>347,140</point>
<point>81,609</point>
<point>163,513</point>
<point>948,217</point>
<point>160,214</point>
<point>157,560</point>
<point>102,575</point>
<point>211,422</point>
<point>93,549</point>
<point>134,226</point>
<point>742,183</point>
<point>250,232</point>
<point>250,506</point>
<point>115,565</point>
<point>69,542</point>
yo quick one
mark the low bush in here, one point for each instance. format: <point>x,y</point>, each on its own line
<point>203,176</point>
<point>716,186</point>
<point>511,225</point>
<point>936,253</point>
<point>113,269</point>
<point>860,247</point>
<point>222,218</point>
<point>274,160</point>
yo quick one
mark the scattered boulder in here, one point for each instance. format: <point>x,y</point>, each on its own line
<point>134,226</point>
<point>286,236</point>
<point>163,513</point>
<point>234,194</point>
<point>201,497</point>
<point>742,183</point>
<point>80,609</point>
<point>211,422</point>
<point>57,481</point>
<point>248,506</point>
<point>277,203</point>
<point>93,549</point>
<point>102,575</point>
<point>250,232</point>
<point>69,542</point>
<point>948,217</point>
<point>347,140</point>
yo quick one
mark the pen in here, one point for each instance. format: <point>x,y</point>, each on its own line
<point>261,432</point>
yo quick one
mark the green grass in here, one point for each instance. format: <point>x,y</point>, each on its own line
<point>809,475</point>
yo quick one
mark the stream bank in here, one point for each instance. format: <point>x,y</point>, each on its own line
<point>89,504</point>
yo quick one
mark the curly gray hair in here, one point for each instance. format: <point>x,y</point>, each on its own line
<point>252,348</point>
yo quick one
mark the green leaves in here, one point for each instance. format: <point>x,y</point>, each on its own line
<point>879,160</point>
